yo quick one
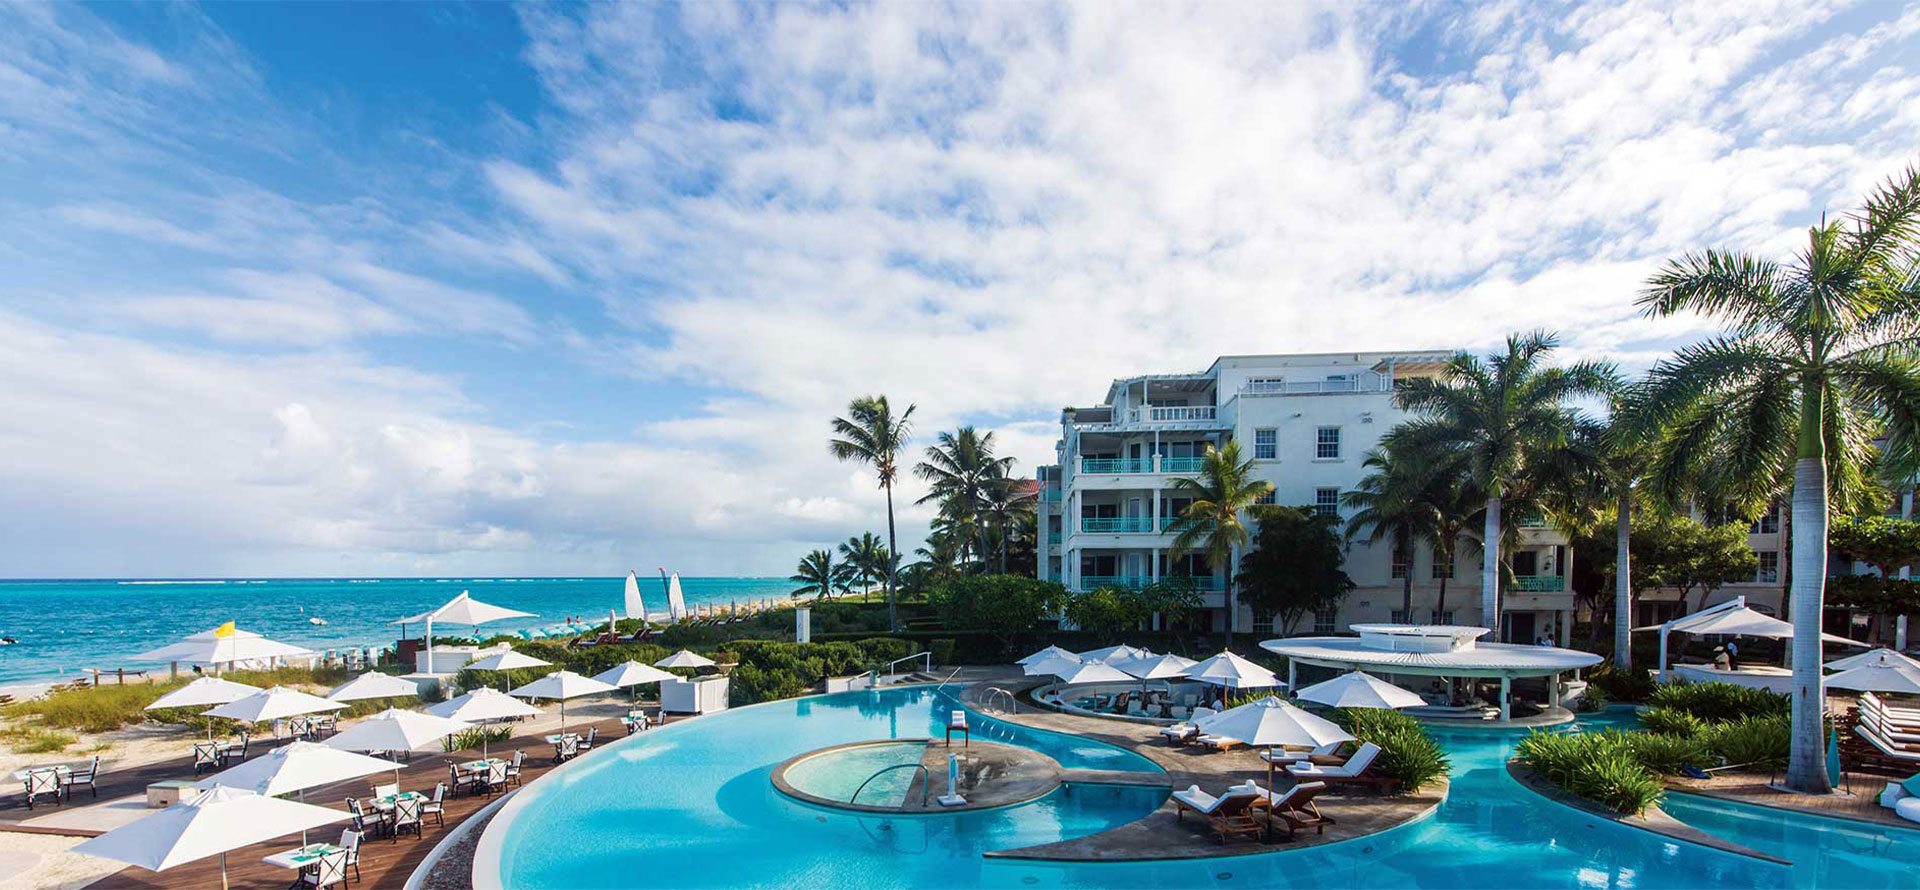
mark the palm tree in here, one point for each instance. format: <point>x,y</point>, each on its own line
<point>817,573</point>
<point>866,557</point>
<point>1212,525</point>
<point>1392,501</point>
<point>1006,506</point>
<point>1822,355</point>
<point>1496,416</point>
<point>870,434</point>
<point>1457,503</point>
<point>961,467</point>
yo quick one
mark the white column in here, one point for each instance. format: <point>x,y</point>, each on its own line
<point>1292,675</point>
<point>1506,700</point>
<point>1906,573</point>
<point>1553,691</point>
<point>1566,627</point>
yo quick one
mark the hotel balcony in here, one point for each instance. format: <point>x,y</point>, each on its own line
<point>1539,583</point>
<point>1116,525</point>
<point>1135,582</point>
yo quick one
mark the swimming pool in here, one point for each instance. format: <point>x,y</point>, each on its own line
<point>838,775</point>
<point>691,805</point>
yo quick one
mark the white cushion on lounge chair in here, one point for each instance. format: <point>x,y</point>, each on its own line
<point>1354,766</point>
<point>1281,758</point>
<point>1178,730</point>
<point>1197,799</point>
<point>1908,808</point>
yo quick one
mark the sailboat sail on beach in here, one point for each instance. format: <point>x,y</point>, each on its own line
<point>676,601</point>
<point>635,607</point>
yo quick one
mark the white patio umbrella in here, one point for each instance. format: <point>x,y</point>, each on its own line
<point>1051,665</point>
<point>225,644</point>
<point>1122,652</point>
<point>374,685</point>
<point>202,692</point>
<point>1269,723</point>
<point>1359,689</point>
<point>632,674</point>
<point>683,659</point>
<point>1050,650</point>
<point>1233,672</point>
<point>562,685</point>
<point>297,767</point>
<point>1094,672</point>
<point>1890,673</point>
<point>273,704</point>
<point>1871,656</point>
<point>462,609</point>
<point>507,661</point>
<point>483,705</point>
<point>210,822</point>
<point>396,730</point>
<point>1159,667</point>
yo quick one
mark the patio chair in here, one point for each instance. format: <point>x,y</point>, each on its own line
<point>635,721</point>
<point>236,753</point>
<point>1319,754</point>
<point>362,821</point>
<point>1352,771</point>
<point>386,790</point>
<point>205,757</point>
<point>567,748</point>
<point>84,776</point>
<point>513,766</point>
<point>1228,815</point>
<point>437,805</point>
<point>42,783</point>
<point>586,742</point>
<point>350,842</point>
<point>496,779</point>
<point>327,871</point>
<point>458,778</point>
<point>406,817</point>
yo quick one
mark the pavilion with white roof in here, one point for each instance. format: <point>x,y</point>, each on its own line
<point>1433,650</point>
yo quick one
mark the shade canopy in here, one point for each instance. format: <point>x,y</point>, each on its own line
<point>632,673</point>
<point>1230,670</point>
<point>202,692</point>
<point>464,609</point>
<point>296,766</point>
<point>1122,652</point>
<point>683,659</point>
<point>1871,656</point>
<point>274,704</point>
<point>1735,619</point>
<point>207,824</point>
<point>1051,665</point>
<point>223,645</point>
<point>1050,650</point>
<point>1359,689</point>
<point>1094,672</point>
<point>1888,673</point>
<point>562,685</point>
<point>507,661</point>
<point>1271,722</point>
<point>396,730</point>
<point>374,685</point>
<point>1159,667</point>
<point>483,704</point>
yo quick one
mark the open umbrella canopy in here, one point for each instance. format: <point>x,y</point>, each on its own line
<point>483,704</point>
<point>1051,665</point>
<point>1094,672</point>
<point>632,673</point>
<point>202,692</point>
<point>1739,621</point>
<point>273,704</point>
<point>683,659</point>
<point>1888,673</point>
<point>1271,722</point>
<point>507,661</point>
<point>1121,652</point>
<point>206,824</point>
<point>1159,667</point>
<point>396,730</point>
<point>374,685</point>
<point>464,609</point>
<point>295,766</point>
<point>562,685</point>
<point>1871,656</point>
<point>223,645</point>
<point>1050,650</point>
<point>1359,690</point>
<point>1230,670</point>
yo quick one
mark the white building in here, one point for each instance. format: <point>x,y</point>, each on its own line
<point>1307,422</point>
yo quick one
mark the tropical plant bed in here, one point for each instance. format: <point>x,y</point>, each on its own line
<point>1652,819</point>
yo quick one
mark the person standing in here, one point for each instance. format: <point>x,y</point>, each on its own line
<point>1733,655</point>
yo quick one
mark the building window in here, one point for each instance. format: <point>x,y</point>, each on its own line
<point>1326,444</point>
<point>1266,443</point>
<point>1270,498</point>
<point>1262,621</point>
<point>1769,572</point>
<point>1266,384</point>
<point>1402,564</point>
<point>1400,617</point>
<point>1768,523</point>
<point>1443,617</point>
<point>1326,501</point>
<point>1442,566</point>
<point>1323,620</point>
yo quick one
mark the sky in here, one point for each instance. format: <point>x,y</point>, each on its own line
<point>394,290</point>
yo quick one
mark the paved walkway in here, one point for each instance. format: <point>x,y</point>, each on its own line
<point>1862,804</point>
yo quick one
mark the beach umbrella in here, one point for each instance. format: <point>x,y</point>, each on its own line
<point>562,685</point>
<point>1887,673</point>
<point>632,674</point>
<point>208,823</point>
<point>1269,723</point>
<point>225,644</point>
<point>462,609</point>
<point>1093,672</point>
<point>683,659</point>
<point>1121,652</point>
<point>1359,689</point>
<point>1157,667</point>
<point>396,730</point>
<point>1233,672</point>
<point>1044,653</point>
<point>1051,665</point>
<point>273,704</point>
<point>202,692</point>
<point>1871,656</point>
<point>483,705</point>
<point>374,685</point>
<point>297,767</point>
<point>507,661</point>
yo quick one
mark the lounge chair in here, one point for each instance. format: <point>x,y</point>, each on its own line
<point>1320,755</point>
<point>1218,742</point>
<point>1353,771</point>
<point>1901,801</point>
<point>1185,731</point>
<point>1295,805</point>
<point>1228,815</point>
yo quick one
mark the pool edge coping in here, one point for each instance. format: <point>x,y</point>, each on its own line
<point>1659,822</point>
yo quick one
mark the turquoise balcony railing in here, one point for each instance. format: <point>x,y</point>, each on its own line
<point>1109,525</point>
<point>1053,537</point>
<point>1199,582</point>
<point>1539,583</point>
<point>1103,465</point>
<point>1089,582</point>
<point>1530,520</point>
<point>1181,464</point>
<point>1050,495</point>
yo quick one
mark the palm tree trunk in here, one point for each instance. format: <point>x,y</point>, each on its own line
<point>1490,569</point>
<point>1623,582</point>
<point>1406,585</point>
<point>1440,605</point>
<point>893,559</point>
<point>1232,609</point>
<point>1806,767</point>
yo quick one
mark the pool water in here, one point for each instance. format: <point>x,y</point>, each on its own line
<point>692,806</point>
<point>838,775</point>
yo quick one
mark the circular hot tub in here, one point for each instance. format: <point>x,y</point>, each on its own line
<point>912,775</point>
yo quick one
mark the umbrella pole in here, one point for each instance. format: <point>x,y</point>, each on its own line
<point>223,870</point>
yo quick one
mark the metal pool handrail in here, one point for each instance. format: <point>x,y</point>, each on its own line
<point>926,780</point>
<point>926,655</point>
<point>1013,704</point>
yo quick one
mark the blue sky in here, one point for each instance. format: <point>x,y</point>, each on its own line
<point>422,289</point>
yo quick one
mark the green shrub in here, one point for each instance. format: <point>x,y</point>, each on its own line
<point>1714,702</point>
<point>36,740</point>
<point>942,650</point>
<point>1592,700</point>
<point>880,650</point>
<point>474,738</point>
<point>1603,767</point>
<point>1632,685</point>
<point>1666,754</point>
<point>1761,742</point>
<point>751,685</point>
<point>1672,721</point>
<point>1407,754</point>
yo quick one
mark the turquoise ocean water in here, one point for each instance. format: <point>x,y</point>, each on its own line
<point>67,626</point>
